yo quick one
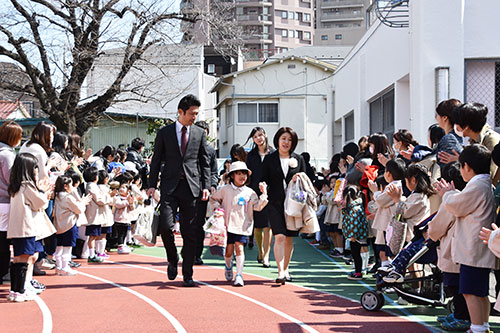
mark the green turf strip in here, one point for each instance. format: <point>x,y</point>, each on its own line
<point>312,269</point>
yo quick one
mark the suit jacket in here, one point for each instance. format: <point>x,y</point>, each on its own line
<point>194,164</point>
<point>212,156</point>
<point>272,174</point>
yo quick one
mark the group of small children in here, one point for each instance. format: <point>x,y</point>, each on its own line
<point>104,210</point>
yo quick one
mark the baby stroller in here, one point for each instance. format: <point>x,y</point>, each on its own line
<point>428,289</point>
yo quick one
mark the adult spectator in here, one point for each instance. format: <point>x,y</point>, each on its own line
<point>309,169</point>
<point>185,178</point>
<point>451,143</point>
<point>134,155</point>
<point>10,137</point>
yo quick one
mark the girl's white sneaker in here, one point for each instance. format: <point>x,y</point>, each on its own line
<point>238,281</point>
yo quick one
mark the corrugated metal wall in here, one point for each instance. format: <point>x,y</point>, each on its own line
<point>116,131</point>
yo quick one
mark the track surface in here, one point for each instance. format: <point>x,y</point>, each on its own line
<point>132,293</point>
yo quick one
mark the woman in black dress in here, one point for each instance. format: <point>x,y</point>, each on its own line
<point>278,169</point>
<point>262,227</point>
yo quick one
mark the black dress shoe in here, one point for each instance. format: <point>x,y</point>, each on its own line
<point>266,265</point>
<point>259,260</point>
<point>288,278</point>
<point>198,261</point>
<point>189,283</point>
<point>172,271</point>
<point>280,281</point>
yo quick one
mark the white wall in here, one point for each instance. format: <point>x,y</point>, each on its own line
<point>304,97</point>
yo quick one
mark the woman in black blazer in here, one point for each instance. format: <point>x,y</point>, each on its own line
<point>278,169</point>
<point>262,226</point>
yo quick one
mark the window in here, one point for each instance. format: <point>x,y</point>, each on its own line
<point>291,33</point>
<point>307,17</point>
<point>284,15</point>
<point>382,114</point>
<point>307,35</point>
<point>247,113</point>
<point>268,112</point>
<point>349,127</point>
<point>284,33</point>
<point>211,68</point>
<point>258,112</point>
<point>324,37</point>
<point>291,15</point>
<point>338,36</point>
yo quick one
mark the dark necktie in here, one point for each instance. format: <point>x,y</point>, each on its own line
<point>184,140</point>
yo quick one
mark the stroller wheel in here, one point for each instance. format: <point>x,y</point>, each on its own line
<point>450,306</point>
<point>372,300</point>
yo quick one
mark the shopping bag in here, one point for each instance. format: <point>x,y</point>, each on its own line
<point>339,195</point>
<point>217,243</point>
<point>295,199</point>
<point>146,229</point>
<point>215,223</point>
<point>396,233</point>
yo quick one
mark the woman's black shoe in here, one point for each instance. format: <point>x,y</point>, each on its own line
<point>259,260</point>
<point>266,265</point>
<point>288,278</point>
<point>280,281</point>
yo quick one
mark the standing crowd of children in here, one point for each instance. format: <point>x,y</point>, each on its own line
<point>376,193</point>
<point>54,194</point>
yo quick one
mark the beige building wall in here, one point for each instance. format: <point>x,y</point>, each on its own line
<point>340,22</point>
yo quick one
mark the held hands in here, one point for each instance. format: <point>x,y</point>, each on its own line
<point>443,186</point>
<point>394,192</point>
<point>485,233</point>
<point>447,158</point>
<point>263,187</point>
<point>205,194</point>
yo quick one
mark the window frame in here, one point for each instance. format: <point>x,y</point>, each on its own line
<point>238,122</point>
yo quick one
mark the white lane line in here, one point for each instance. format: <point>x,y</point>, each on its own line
<point>46,315</point>
<point>306,327</point>
<point>178,327</point>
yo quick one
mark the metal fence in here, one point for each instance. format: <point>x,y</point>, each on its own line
<point>482,85</point>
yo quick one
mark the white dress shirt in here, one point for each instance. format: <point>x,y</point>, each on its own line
<point>178,131</point>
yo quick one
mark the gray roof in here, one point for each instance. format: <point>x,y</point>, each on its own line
<point>331,54</point>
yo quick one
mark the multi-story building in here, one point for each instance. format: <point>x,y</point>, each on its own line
<point>340,22</point>
<point>269,26</point>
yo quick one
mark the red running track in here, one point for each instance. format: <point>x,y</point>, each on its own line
<point>140,298</point>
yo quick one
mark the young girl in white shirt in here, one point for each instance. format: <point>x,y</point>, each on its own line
<point>67,208</point>
<point>238,201</point>
<point>28,224</point>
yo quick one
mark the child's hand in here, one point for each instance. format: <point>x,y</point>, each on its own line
<point>443,186</point>
<point>394,192</point>
<point>263,187</point>
<point>87,199</point>
<point>130,199</point>
<point>349,159</point>
<point>372,186</point>
<point>485,233</point>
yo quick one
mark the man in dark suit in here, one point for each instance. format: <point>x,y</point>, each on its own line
<point>202,206</point>
<point>185,179</point>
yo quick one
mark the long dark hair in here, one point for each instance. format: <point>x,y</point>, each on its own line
<point>41,135</point>
<point>421,174</point>
<point>60,139</point>
<point>22,171</point>
<point>379,140</point>
<point>252,133</point>
<point>238,153</point>
<point>75,144</point>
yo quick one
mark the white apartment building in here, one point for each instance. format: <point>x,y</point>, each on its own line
<point>395,77</point>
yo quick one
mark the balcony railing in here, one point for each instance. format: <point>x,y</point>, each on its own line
<point>340,15</point>
<point>254,17</point>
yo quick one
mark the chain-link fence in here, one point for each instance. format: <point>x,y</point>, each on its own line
<point>482,85</point>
